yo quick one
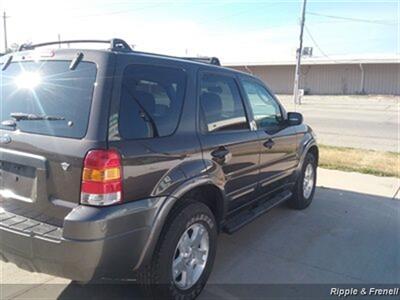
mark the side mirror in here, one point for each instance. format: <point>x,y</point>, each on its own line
<point>294,118</point>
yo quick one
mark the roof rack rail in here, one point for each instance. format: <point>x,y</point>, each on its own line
<point>202,59</point>
<point>115,44</point>
<point>207,60</point>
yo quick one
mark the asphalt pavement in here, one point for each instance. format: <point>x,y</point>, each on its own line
<point>349,235</point>
<point>368,122</point>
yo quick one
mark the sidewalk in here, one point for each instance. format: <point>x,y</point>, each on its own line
<point>360,183</point>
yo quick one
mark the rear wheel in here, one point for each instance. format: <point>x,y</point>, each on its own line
<point>303,191</point>
<point>184,255</point>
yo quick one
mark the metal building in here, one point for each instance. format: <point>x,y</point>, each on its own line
<point>333,77</point>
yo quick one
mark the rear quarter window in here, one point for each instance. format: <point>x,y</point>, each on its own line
<point>151,101</point>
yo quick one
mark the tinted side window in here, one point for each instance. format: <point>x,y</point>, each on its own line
<point>266,110</point>
<point>221,105</point>
<point>151,101</point>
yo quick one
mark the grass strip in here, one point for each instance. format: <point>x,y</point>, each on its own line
<point>359,160</point>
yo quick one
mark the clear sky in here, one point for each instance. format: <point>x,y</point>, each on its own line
<point>235,31</point>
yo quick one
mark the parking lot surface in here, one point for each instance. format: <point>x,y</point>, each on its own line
<point>349,235</point>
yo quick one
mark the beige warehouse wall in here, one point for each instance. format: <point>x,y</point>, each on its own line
<point>278,78</point>
<point>331,79</point>
<point>382,79</point>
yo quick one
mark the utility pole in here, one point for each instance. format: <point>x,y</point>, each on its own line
<point>59,40</point>
<point>298,55</point>
<point>5,31</point>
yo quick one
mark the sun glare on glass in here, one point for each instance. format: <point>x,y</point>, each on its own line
<point>28,80</point>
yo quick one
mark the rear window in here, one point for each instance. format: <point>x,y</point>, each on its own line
<point>151,101</point>
<point>48,88</point>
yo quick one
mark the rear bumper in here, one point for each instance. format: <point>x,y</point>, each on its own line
<point>94,242</point>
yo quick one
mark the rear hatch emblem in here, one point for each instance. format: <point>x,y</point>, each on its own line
<point>65,166</point>
<point>5,139</point>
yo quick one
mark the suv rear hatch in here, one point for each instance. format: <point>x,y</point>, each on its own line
<point>51,115</point>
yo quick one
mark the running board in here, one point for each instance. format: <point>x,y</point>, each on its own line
<point>241,219</point>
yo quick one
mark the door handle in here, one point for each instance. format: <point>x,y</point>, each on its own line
<point>269,144</point>
<point>220,153</point>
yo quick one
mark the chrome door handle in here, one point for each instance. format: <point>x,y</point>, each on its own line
<point>269,144</point>
<point>220,153</point>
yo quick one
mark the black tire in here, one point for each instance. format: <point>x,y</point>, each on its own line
<point>157,278</point>
<point>298,200</point>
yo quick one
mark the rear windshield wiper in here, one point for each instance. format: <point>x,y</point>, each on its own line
<point>19,116</point>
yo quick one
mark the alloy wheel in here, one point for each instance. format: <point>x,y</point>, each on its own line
<point>190,257</point>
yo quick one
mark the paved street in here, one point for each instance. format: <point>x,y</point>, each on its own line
<point>369,122</point>
<point>350,234</point>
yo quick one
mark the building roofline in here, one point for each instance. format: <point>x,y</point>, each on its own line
<point>317,61</point>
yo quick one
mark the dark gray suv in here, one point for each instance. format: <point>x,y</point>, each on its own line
<point>117,163</point>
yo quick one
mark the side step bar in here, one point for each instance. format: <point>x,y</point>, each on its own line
<point>241,219</point>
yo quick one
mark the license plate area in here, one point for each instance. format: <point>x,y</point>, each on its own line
<point>22,175</point>
<point>17,181</point>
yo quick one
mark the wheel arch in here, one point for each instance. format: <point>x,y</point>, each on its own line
<point>310,146</point>
<point>204,190</point>
<point>211,196</point>
<point>314,151</point>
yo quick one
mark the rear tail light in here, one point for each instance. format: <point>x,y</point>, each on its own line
<point>102,178</point>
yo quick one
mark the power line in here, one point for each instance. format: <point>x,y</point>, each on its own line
<point>315,43</point>
<point>118,12</point>
<point>318,46</point>
<point>128,10</point>
<point>380,22</point>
